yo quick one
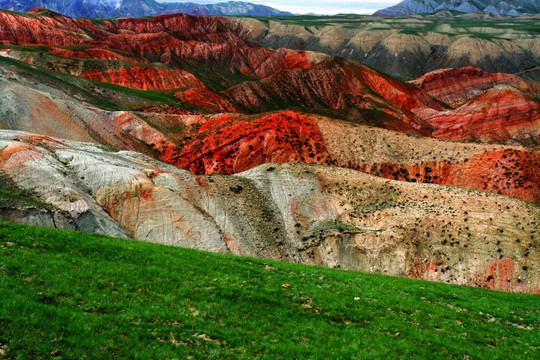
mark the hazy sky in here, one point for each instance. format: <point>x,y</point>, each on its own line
<point>314,6</point>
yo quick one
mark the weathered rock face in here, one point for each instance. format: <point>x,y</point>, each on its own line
<point>49,111</point>
<point>234,143</point>
<point>488,107</point>
<point>45,29</point>
<point>71,207</point>
<point>456,104</point>
<point>345,88</point>
<point>314,214</point>
<point>214,50</point>
<point>300,213</point>
<point>501,114</point>
<point>500,169</point>
<point>110,67</point>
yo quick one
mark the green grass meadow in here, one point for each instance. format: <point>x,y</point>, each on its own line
<point>70,295</point>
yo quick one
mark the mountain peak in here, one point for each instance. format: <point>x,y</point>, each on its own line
<point>42,11</point>
<point>37,10</point>
<point>137,8</point>
<point>510,7</point>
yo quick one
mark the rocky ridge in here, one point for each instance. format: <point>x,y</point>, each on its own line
<point>178,40</point>
<point>208,64</point>
<point>357,93</point>
<point>511,7</point>
<point>408,47</point>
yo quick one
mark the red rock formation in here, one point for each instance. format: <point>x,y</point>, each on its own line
<point>509,172</point>
<point>488,107</point>
<point>114,71</point>
<point>231,143</point>
<point>500,114</point>
<point>225,50</point>
<point>427,271</point>
<point>94,53</point>
<point>206,99</point>
<point>498,276</point>
<point>491,110</point>
<point>344,86</point>
<point>165,109</point>
<point>144,77</point>
<point>455,87</point>
<point>43,27</point>
<point>336,87</point>
<point>182,23</point>
<point>174,39</point>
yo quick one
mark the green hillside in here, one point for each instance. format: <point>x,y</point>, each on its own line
<point>69,295</point>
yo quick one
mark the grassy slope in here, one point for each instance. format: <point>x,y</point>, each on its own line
<point>73,295</point>
<point>12,196</point>
<point>103,95</point>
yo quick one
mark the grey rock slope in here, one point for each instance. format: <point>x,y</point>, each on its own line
<point>135,8</point>
<point>299,213</point>
<point>509,7</point>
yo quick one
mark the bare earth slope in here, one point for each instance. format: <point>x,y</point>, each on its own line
<point>409,46</point>
<point>300,213</point>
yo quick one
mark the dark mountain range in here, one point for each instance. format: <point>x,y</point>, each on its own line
<point>510,7</point>
<point>133,8</point>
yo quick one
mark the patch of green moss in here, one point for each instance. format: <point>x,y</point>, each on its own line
<point>12,196</point>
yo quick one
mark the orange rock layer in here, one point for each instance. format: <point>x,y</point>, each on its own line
<point>144,78</point>
<point>508,172</point>
<point>455,87</point>
<point>499,114</point>
<point>231,144</point>
<point>176,39</point>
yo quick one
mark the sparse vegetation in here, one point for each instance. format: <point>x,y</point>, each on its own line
<point>413,26</point>
<point>11,195</point>
<point>376,206</point>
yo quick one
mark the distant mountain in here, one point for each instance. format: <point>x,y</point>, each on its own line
<point>135,8</point>
<point>508,7</point>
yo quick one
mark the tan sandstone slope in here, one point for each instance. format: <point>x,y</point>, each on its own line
<point>311,214</point>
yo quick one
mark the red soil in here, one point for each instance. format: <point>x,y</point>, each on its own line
<point>232,143</point>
